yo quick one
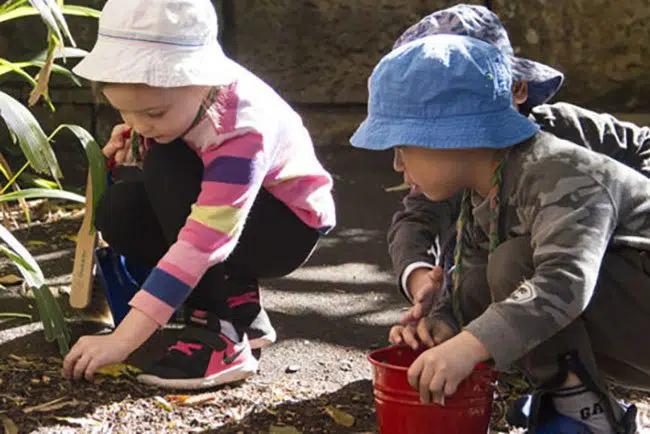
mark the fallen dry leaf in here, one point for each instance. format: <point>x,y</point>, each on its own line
<point>10,279</point>
<point>273,429</point>
<point>190,400</point>
<point>118,370</point>
<point>162,403</point>
<point>81,421</point>
<point>340,417</point>
<point>9,426</point>
<point>53,405</point>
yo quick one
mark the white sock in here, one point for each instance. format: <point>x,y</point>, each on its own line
<point>580,404</point>
<point>229,330</point>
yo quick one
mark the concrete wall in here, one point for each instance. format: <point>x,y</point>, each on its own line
<point>319,54</point>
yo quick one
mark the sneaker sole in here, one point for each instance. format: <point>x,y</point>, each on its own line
<point>232,375</point>
<point>261,342</point>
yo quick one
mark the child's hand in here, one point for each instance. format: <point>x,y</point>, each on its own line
<point>423,285</point>
<point>119,145</point>
<point>91,353</point>
<point>439,370</point>
<point>428,331</point>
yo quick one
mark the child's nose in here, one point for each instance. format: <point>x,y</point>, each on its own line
<point>398,164</point>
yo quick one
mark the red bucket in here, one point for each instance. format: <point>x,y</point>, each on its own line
<point>398,406</point>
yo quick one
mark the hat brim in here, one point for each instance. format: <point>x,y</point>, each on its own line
<point>543,81</point>
<point>156,65</point>
<point>495,130</point>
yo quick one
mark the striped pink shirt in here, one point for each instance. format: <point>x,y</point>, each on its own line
<point>248,139</point>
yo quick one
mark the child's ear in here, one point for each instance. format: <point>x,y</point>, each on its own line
<point>519,93</point>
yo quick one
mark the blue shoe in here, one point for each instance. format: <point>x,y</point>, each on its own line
<point>549,421</point>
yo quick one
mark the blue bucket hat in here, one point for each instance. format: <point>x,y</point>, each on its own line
<point>481,23</point>
<point>442,92</point>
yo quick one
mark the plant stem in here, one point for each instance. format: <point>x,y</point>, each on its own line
<point>12,180</point>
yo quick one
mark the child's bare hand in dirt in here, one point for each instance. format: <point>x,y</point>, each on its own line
<point>439,370</point>
<point>119,145</point>
<point>427,331</point>
<point>93,352</point>
<point>423,285</point>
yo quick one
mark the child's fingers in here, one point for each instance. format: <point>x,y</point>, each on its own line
<point>436,387</point>
<point>437,274</point>
<point>80,367</point>
<point>424,332</point>
<point>395,335</point>
<point>409,338</point>
<point>92,367</point>
<point>425,380</point>
<point>117,140</point>
<point>70,361</point>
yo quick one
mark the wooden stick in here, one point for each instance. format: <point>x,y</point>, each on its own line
<point>82,272</point>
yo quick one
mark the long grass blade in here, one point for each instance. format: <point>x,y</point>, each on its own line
<point>42,193</point>
<point>27,265</point>
<point>26,11</point>
<point>26,130</point>
<point>96,161</point>
<point>54,325</point>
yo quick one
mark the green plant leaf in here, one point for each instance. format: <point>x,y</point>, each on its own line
<point>18,68</point>
<point>96,161</point>
<point>61,52</point>
<point>58,69</point>
<point>45,11</point>
<point>54,325</point>
<point>25,129</point>
<point>21,257</point>
<point>15,315</point>
<point>60,19</point>
<point>81,11</point>
<point>42,193</point>
<point>27,11</point>
<point>10,5</point>
<point>15,258</point>
<point>45,183</point>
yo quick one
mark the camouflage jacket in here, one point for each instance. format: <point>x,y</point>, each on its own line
<point>415,228</point>
<point>574,204</point>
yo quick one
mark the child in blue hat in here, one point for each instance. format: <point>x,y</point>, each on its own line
<point>562,234</point>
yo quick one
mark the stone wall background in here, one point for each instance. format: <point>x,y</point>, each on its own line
<point>319,54</point>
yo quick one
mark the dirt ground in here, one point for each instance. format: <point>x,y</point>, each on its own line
<point>329,315</point>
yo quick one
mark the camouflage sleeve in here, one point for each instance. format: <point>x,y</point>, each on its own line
<point>414,230</point>
<point>625,142</point>
<point>571,217</point>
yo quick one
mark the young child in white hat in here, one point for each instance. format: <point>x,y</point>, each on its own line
<point>229,191</point>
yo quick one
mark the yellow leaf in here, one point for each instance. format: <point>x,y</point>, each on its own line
<point>72,238</point>
<point>190,400</point>
<point>162,403</point>
<point>10,279</point>
<point>340,417</point>
<point>273,429</point>
<point>9,425</point>
<point>118,370</point>
<point>36,243</point>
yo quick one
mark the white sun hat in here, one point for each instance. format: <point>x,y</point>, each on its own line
<point>161,43</point>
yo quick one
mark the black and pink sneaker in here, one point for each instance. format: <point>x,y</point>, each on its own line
<point>206,355</point>
<point>249,315</point>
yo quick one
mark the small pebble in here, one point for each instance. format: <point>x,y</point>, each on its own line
<point>291,369</point>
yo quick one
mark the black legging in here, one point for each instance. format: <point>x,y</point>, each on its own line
<point>141,218</point>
